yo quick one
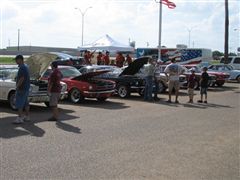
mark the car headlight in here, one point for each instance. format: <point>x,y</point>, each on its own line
<point>64,86</point>
<point>90,87</point>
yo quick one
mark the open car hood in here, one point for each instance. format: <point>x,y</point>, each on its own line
<point>90,75</point>
<point>38,63</point>
<point>135,66</point>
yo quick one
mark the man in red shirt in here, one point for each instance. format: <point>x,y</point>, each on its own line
<point>54,90</point>
<point>120,60</point>
<point>106,58</point>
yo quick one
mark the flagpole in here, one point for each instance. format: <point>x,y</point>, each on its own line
<point>160,30</point>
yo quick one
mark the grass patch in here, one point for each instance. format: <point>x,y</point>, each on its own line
<point>7,60</point>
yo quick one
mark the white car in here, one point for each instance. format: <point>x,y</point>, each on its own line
<point>37,92</point>
<point>234,73</point>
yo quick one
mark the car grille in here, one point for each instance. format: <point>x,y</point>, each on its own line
<point>41,84</point>
<point>105,86</point>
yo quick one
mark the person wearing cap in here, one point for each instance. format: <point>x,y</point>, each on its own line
<point>22,91</point>
<point>54,90</point>
<point>191,85</point>
<point>172,72</point>
<point>204,85</point>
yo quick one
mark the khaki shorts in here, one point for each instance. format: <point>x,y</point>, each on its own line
<point>173,84</point>
<point>190,91</point>
<point>54,98</point>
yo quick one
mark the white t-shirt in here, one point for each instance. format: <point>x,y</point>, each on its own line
<point>174,70</point>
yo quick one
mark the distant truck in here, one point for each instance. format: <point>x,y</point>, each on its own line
<point>182,55</point>
<point>232,60</point>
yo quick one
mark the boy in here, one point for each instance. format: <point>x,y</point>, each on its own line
<point>191,84</point>
<point>204,85</point>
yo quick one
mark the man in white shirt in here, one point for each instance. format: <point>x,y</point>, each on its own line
<point>172,72</point>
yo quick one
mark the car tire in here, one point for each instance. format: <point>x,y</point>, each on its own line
<point>161,87</point>
<point>141,92</point>
<point>12,99</point>
<point>238,79</point>
<point>123,91</point>
<point>75,96</point>
<point>219,84</point>
<point>102,99</point>
<point>197,85</point>
<point>47,104</point>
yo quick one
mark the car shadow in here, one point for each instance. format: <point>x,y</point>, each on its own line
<point>9,130</point>
<point>92,103</point>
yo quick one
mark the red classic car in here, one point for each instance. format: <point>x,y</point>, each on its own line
<point>80,86</point>
<point>220,76</point>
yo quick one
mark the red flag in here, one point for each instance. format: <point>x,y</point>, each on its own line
<point>168,3</point>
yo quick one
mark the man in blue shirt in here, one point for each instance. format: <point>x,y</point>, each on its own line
<point>22,91</point>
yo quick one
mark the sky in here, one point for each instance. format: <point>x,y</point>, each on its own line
<point>57,23</point>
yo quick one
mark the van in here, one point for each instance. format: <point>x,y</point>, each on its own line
<point>232,60</point>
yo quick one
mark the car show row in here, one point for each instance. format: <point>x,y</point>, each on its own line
<point>81,81</point>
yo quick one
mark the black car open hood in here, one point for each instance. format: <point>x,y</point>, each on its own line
<point>89,75</point>
<point>135,66</point>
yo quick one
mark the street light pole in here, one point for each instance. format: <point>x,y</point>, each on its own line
<point>83,14</point>
<point>189,35</point>
<point>18,38</point>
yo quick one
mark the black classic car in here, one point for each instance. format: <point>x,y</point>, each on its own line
<point>126,79</point>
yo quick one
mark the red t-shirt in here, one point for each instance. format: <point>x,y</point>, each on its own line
<point>55,79</point>
<point>106,60</point>
<point>119,61</point>
<point>128,59</point>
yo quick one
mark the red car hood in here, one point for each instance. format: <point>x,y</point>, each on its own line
<point>89,75</point>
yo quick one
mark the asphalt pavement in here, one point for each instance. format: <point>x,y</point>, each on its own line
<point>126,139</point>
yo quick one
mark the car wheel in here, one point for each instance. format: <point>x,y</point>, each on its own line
<point>219,84</point>
<point>238,79</point>
<point>101,99</point>
<point>141,92</point>
<point>161,87</point>
<point>12,100</point>
<point>123,91</point>
<point>75,96</point>
<point>47,104</point>
<point>196,86</point>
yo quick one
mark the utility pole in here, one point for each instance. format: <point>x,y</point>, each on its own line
<point>18,38</point>
<point>226,32</point>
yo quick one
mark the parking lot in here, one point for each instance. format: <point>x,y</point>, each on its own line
<point>126,139</point>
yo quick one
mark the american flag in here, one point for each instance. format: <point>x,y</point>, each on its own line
<point>181,55</point>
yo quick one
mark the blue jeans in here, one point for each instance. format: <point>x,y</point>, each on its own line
<point>148,88</point>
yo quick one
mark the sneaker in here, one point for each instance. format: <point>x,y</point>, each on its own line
<point>156,98</point>
<point>52,119</point>
<point>26,119</point>
<point>205,102</point>
<point>169,101</point>
<point>18,120</point>
<point>200,101</point>
<point>177,101</point>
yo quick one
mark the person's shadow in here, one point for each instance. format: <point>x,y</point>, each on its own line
<point>67,127</point>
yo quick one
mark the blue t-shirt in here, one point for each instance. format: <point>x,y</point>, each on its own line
<point>24,72</point>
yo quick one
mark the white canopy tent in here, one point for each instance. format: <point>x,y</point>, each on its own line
<point>106,43</point>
